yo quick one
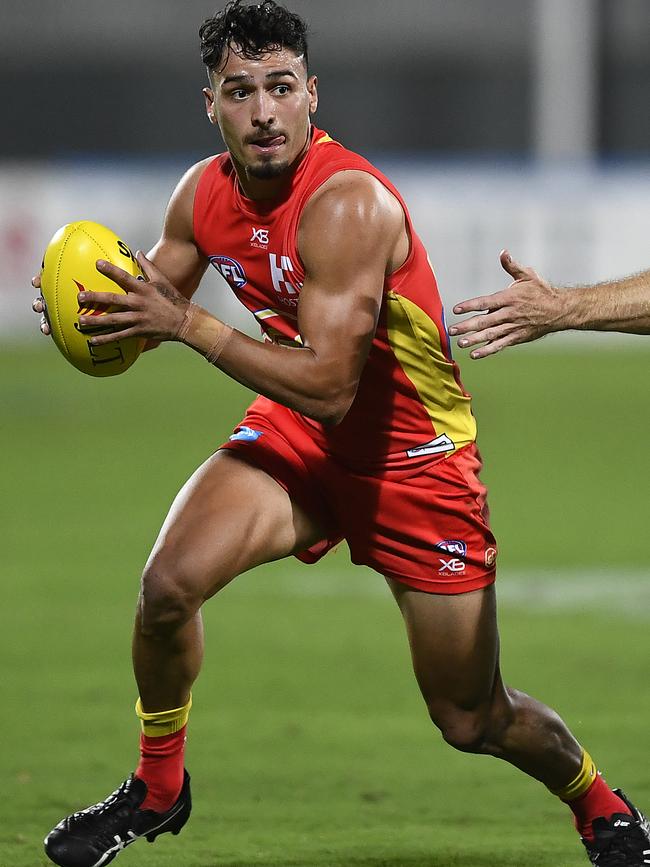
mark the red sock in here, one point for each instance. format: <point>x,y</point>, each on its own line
<point>598,800</point>
<point>161,767</point>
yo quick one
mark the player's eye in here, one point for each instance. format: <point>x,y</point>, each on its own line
<point>238,94</point>
<point>282,89</point>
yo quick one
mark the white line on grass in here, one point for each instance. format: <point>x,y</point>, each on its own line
<point>619,592</point>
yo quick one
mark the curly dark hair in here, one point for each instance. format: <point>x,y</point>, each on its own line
<point>255,30</point>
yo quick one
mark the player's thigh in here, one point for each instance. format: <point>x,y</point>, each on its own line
<point>227,518</point>
<point>454,644</point>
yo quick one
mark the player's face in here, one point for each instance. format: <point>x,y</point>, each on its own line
<point>262,108</point>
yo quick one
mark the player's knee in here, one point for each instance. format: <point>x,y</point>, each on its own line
<point>167,598</point>
<point>465,730</point>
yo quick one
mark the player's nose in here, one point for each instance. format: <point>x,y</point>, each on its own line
<point>263,110</point>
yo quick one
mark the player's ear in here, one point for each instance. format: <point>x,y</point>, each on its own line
<point>209,104</point>
<point>312,89</point>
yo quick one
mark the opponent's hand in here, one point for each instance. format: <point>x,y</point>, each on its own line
<point>38,306</point>
<point>153,308</point>
<point>526,310</point>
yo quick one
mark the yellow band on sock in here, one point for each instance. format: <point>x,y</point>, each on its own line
<point>164,722</point>
<point>579,785</point>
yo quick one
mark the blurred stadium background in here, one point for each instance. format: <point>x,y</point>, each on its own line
<point>518,123</point>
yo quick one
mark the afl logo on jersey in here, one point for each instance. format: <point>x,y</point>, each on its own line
<point>230,270</point>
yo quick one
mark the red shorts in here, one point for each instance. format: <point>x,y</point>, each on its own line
<point>429,530</point>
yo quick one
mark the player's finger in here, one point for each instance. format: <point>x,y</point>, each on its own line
<point>113,336</point>
<point>116,321</point>
<point>106,299</point>
<point>37,305</point>
<point>36,281</point>
<point>481,302</point>
<point>45,325</point>
<point>149,269</point>
<point>119,276</point>
<point>516,271</point>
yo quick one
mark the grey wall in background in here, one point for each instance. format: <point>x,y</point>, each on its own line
<point>434,76</point>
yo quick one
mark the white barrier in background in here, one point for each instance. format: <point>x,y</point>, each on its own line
<point>574,224</point>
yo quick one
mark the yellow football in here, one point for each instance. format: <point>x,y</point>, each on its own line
<point>69,268</point>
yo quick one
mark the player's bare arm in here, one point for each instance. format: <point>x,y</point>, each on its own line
<point>531,307</point>
<point>352,235</point>
<point>176,254</point>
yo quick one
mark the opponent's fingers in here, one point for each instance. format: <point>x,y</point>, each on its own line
<point>497,345</point>
<point>516,271</point>
<point>108,299</point>
<point>119,276</point>
<point>481,302</point>
<point>474,323</point>
<point>486,335</point>
<point>479,322</point>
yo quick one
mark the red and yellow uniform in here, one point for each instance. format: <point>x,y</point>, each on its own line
<point>398,477</point>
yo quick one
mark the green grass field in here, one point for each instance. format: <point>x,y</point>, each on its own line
<point>309,744</point>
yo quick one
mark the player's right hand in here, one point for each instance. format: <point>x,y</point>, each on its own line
<point>38,306</point>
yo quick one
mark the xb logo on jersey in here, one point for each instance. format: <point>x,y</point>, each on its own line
<point>230,270</point>
<point>259,236</point>
<point>457,549</point>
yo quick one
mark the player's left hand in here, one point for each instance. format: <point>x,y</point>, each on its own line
<point>525,310</point>
<point>153,308</point>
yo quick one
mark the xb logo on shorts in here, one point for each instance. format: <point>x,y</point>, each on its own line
<point>458,551</point>
<point>230,270</point>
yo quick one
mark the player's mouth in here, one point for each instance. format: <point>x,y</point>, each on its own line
<point>268,145</point>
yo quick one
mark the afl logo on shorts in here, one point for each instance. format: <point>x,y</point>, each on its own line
<point>230,270</point>
<point>456,552</point>
<point>452,546</point>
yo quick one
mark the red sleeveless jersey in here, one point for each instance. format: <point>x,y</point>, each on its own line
<point>410,407</point>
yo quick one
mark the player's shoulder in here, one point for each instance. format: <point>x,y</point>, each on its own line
<point>189,181</point>
<point>353,191</point>
<point>179,217</point>
<point>182,200</point>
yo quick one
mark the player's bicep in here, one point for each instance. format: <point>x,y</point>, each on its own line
<point>346,240</point>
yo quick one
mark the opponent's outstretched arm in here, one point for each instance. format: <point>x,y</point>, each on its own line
<point>530,307</point>
<point>348,234</point>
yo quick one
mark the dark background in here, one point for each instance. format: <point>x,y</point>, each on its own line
<point>424,76</point>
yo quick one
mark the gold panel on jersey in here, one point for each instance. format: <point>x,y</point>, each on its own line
<point>415,341</point>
